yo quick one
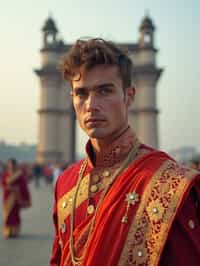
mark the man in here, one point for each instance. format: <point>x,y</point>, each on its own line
<point>125,203</point>
<point>15,196</point>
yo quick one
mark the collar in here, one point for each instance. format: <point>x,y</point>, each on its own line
<point>114,153</point>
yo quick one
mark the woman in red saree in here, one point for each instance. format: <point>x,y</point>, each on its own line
<point>15,196</point>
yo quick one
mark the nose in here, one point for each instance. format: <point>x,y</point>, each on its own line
<point>92,102</point>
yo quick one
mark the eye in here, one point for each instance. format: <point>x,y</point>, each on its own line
<point>80,92</point>
<point>105,90</point>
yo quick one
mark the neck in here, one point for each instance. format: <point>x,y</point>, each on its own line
<point>99,145</point>
<point>113,150</point>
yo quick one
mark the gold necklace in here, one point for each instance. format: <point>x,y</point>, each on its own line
<point>76,261</point>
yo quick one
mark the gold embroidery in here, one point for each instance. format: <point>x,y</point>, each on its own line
<point>67,200</point>
<point>9,204</point>
<point>64,203</point>
<point>131,198</point>
<point>155,211</point>
<point>152,222</point>
<point>116,151</point>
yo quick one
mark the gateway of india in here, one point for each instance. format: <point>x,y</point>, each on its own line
<point>57,124</point>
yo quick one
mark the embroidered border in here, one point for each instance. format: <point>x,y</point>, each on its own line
<point>159,203</point>
<point>63,212</point>
<point>64,203</point>
<point>8,205</point>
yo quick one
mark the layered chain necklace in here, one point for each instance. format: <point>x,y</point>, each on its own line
<point>76,261</point>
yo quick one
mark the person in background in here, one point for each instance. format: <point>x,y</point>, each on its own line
<point>48,173</point>
<point>57,170</point>
<point>15,196</point>
<point>125,203</point>
<point>37,173</point>
<point>195,164</point>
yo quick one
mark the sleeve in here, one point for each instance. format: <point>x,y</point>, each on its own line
<point>56,250</point>
<point>183,244</point>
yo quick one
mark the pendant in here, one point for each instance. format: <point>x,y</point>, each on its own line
<point>131,199</point>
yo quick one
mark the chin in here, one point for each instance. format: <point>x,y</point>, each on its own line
<point>97,133</point>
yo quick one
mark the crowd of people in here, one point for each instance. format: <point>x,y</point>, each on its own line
<point>36,172</point>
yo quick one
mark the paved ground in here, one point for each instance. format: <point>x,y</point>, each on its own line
<point>34,246</point>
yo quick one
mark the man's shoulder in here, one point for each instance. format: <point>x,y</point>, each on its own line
<point>166,165</point>
<point>71,170</point>
<point>174,169</point>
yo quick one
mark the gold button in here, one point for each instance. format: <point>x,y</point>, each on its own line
<point>95,178</point>
<point>140,254</point>
<point>64,204</point>
<point>90,209</point>
<point>191,224</point>
<point>94,188</point>
<point>155,210</point>
<point>106,173</point>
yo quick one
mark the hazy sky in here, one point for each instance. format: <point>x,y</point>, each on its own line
<point>177,38</point>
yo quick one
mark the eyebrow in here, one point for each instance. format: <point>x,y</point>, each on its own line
<point>100,86</point>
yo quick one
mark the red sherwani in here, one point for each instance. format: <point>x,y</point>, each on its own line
<point>162,226</point>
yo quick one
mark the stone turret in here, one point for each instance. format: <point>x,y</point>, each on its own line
<point>147,29</point>
<point>56,120</point>
<point>144,114</point>
<point>50,31</point>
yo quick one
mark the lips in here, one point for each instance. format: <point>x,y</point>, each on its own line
<point>94,120</point>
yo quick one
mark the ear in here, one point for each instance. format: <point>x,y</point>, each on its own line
<point>130,95</point>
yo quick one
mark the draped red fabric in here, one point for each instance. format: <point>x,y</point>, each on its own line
<point>109,234</point>
<point>183,243</point>
<point>106,243</point>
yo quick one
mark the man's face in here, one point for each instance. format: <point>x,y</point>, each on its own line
<point>100,103</point>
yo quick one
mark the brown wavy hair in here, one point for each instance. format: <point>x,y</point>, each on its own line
<point>86,54</point>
